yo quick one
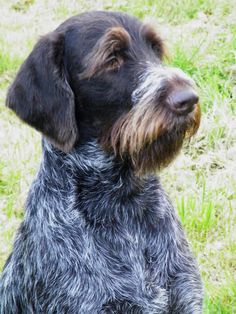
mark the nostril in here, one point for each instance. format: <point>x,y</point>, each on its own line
<point>183,101</point>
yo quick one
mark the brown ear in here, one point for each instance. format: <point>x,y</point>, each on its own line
<point>41,95</point>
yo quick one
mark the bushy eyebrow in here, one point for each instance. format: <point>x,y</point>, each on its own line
<point>114,39</point>
<point>150,35</point>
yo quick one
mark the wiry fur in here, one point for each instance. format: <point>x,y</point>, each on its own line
<point>115,39</point>
<point>99,233</point>
<point>97,237</point>
<point>162,131</point>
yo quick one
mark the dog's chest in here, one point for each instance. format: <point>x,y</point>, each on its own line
<point>121,265</point>
<point>117,265</point>
<point>123,253</point>
<point>119,219</point>
<point>119,216</point>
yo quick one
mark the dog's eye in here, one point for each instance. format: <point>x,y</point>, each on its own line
<point>114,61</point>
<point>157,49</point>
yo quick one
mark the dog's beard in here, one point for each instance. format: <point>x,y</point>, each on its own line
<point>150,136</point>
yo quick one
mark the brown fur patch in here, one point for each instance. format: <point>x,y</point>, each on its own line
<point>105,54</point>
<point>150,137</point>
<point>157,43</point>
<point>135,128</point>
<point>195,123</point>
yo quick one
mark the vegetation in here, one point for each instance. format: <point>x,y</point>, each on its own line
<point>201,36</point>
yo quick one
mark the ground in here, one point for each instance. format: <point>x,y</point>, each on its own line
<point>201,37</point>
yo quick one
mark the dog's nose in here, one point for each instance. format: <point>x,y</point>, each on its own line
<point>182,101</point>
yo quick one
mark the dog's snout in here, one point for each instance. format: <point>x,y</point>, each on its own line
<point>182,101</point>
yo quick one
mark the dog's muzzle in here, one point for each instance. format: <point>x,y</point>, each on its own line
<point>164,112</point>
<point>168,87</point>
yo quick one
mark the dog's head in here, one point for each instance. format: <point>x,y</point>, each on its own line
<point>101,75</point>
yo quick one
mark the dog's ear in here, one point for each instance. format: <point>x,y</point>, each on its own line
<point>41,95</point>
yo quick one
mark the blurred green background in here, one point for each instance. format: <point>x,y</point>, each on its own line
<point>201,37</point>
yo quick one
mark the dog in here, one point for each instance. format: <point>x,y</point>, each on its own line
<point>99,233</point>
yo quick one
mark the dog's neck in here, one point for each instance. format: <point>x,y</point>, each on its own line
<point>101,187</point>
<point>83,158</point>
<point>88,161</point>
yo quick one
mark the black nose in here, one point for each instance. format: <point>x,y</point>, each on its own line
<point>182,101</point>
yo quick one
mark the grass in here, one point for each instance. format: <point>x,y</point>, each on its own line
<point>201,36</point>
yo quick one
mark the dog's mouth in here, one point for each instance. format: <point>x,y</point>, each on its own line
<point>194,121</point>
<point>150,137</point>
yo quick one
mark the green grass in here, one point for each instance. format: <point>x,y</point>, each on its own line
<point>22,5</point>
<point>201,36</point>
<point>173,12</point>
<point>8,62</point>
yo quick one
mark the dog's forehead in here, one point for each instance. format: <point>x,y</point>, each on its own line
<point>87,28</point>
<point>100,21</point>
<point>84,31</point>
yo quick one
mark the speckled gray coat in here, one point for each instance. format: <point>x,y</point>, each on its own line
<point>97,239</point>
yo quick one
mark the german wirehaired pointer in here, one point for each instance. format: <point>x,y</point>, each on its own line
<point>99,233</point>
